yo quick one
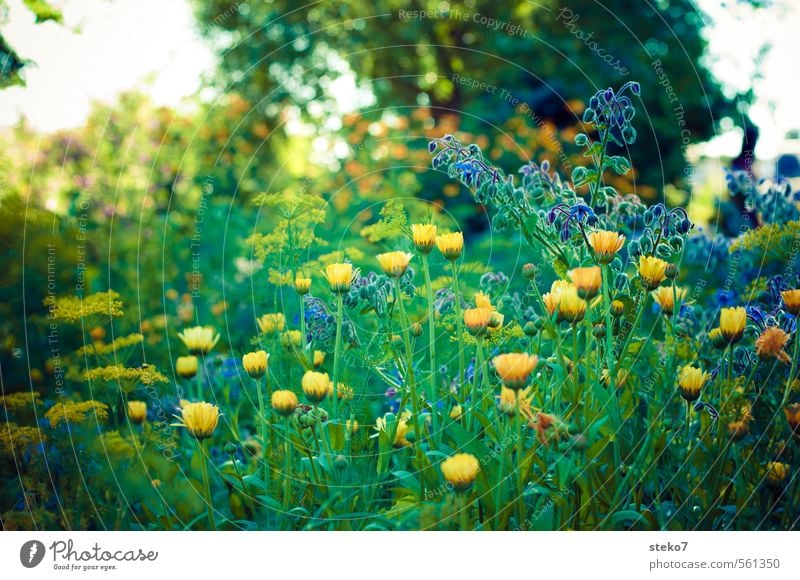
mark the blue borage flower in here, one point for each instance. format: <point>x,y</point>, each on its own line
<point>773,200</point>
<point>613,111</point>
<point>564,217</point>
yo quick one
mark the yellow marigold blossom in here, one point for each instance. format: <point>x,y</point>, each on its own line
<point>271,323</point>
<point>691,381</point>
<point>316,386</point>
<point>606,245</point>
<point>137,411</point>
<point>186,366</point>
<point>571,307</point>
<point>586,280</point>
<point>477,320</point>
<point>402,429</point>
<point>284,402</point>
<point>732,322</point>
<point>665,298</point>
<point>552,299</point>
<point>777,472</point>
<point>319,358</point>
<point>76,412</point>
<point>339,276</point>
<point>451,245</point>
<point>617,308</point>
<point>394,264</point>
<point>291,338</point>
<point>770,345</point>
<point>483,301</point>
<point>127,377</point>
<point>73,308</point>
<point>514,369</point>
<point>461,470</point>
<point>200,419</point>
<point>424,236</point>
<point>791,301</point>
<point>255,363</point>
<point>792,413</point>
<point>199,339</point>
<point>507,401</point>
<point>716,339</point>
<point>15,439</point>
<point>302,285</point>
<point>112,347</point>
<point>20,400</point>
<point>652,271</point>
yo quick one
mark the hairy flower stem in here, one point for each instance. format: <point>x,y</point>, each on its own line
<point>336,349</point>
<point>203,449</point>
<point>287,471</point>
<point>459,325</point>
<point>412,387</point>
<point>262,424</point>
<point>433,396</point>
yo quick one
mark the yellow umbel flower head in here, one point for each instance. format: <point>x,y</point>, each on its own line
<point>652,271</point>
<point>199,339</point>
<point>691,381</point>
<point>271,323</point>
<point>451,245</point>
<point>424,236</point>
<point>394,264</point>
<point>137,411</point>
<point>255,363</point>
<point>477,320</point>
<point>316,386</point>
<point>586,280</point>
<point>186,366</point>
<point>339,276</point>
<point>665,298</point>
<point>284,402</point>
<point>731,323</point>
<point>514,368</point>
<point>200,419</point>
<point>791,301</point>
<point>606,245</point>
<point>571,307</point>
<point>461,470</point>
<point>76,412</point>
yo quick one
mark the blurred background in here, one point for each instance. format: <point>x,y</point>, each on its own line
<point>139,136</point>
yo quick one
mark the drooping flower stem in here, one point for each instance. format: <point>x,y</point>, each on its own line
<point>459,325</point>
<point>336,349</point>
<point>433,395</point>
<point>203,449</point>
<point>262,425</point>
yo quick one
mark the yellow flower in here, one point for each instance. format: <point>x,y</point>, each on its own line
<point>770,345</point>
<point>793,417</point>
<point>652,271</point>
<point>200,419</point>
<point>402,429</point>
<point>394,264</point>
<point>319,358</point>
<point>339,276</point>
<point>271,323</point>
<point>255,363</point>
<point>586,280</point>
<point>351,426</point>
<point>451,245</point>
<point>455,413</point>
<point>137,411</point>
<point>424,237</point>
<point>316,386</point>
<point>460,470</point>
<point>186,366</point>
<point>284,402</point>
<point>199,339</point>
<point>508,398</point>
<point>514,369</point>
<point>732,322</point>
<point>291,338</point>
<point>302,285</point>
<point>552,299</point>
<point>605,245</point>
<point>343,392</point>
<point>664,297</point>
<point>791,301</point>
<point>777,473</point>
<point>483,301</point>
<point>77,413</point>
<point>571,307</point>
<point>617,308</point>
<point>690,381</point>
<point>716,339</point>
<point>477,320</point>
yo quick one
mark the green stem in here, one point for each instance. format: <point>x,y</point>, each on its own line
<point>459,326</point>
<point>612,376</point>
<point>336,349</point>
<point>627,343</point>
<point>304,337</point>
<point>287,475</point>
<point>262,424</point>
<point>788,389</point>
<point>433,395</point>
<point>474,397</point>
<point>203,448</point>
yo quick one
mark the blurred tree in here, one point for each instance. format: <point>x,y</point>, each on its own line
<point>406,52</point>
<point>11,64</point>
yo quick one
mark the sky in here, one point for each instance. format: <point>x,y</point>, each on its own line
<point>153,45</point>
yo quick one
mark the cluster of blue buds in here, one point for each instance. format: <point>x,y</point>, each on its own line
<point>612,111</point>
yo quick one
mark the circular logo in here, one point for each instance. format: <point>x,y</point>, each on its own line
<point>31,553</point>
